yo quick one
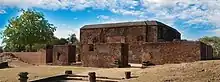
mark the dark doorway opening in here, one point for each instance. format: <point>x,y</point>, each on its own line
<point>58,55</point>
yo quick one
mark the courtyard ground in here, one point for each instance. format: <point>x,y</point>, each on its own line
<point>202,71</point>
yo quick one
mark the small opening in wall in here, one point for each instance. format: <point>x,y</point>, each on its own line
<point>58,56</point>
<point>95,40</point>
<point>91,47</point>
<point>140,38</point>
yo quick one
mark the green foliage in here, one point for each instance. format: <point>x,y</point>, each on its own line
<point>62,41</point>
<point>1,49</point>
<point>214,42</point>
<point>29,28</point>
<point>13,48</point>
<point>36,47</point>
<point>72,39</point>
<point>30,32</point>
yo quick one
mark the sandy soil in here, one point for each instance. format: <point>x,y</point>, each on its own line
<point>35,72</point>
<point>202,71</point>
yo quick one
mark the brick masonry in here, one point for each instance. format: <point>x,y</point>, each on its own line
<point>49,53</point>
<point>104,55</point>
<point>147,41</point>
<point>128,32</point>
<point>64,54</point>
<point>37,58</point>
<point>48,56</point>
<point>175,52</point>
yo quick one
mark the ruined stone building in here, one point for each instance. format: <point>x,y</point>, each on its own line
<point>136,42</point>
<point>60,54</point>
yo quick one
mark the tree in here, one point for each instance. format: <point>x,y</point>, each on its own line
<point>72,39</point>
<point>13,48</point>
<point>1,49</point>
<point>214,42</point>
<point>57,41</point>
<point>62,41</point>
<point>28,29</point>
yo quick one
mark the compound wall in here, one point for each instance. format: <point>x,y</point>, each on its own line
<point>175,52</point>
<point>37,58</point>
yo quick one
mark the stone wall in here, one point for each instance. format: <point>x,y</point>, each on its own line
<point>209,55</point>
<point>104,55</point>
<point>49,54</point>
<point>112,35</point>
<point>205,52</point>
<point>132,33</point>
<point>37,58</point>
<point>64,54</point>
<point>43,57</point>
<point>174,52</point>
<point>135,52</point>
<point>127,32</point>
<point>167,33</point>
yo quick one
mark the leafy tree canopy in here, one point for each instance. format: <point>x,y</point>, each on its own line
<point>28,29</point>
<point>214,41</point>
<point>72,39</point>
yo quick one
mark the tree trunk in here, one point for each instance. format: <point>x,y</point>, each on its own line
<point>30,45</point>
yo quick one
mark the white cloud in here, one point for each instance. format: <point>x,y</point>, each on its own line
<point>75,18</point>
<point>2,11</point>
<point>216,32</point>
<point>168,11</point>
<point>104,17</point>
<point>63,31</point>
<point>215,18</point>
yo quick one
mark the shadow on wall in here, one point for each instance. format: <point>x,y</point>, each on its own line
<point>3,65</point>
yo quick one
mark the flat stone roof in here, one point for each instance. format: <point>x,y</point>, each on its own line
<point>126,24</point>
<point>122,24</point>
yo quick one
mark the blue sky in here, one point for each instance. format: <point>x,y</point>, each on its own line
<point>193,18</point>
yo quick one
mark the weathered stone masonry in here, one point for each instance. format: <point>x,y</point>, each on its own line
<point>147,41</point>
<point>175,52</point>
<point>104,55</point>
<point>129,32</point>
<point>60,54</point>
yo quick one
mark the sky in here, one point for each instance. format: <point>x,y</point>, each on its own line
<point>192,18</point>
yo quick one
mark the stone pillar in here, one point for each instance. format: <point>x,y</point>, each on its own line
<point>127,75</point>
<point>23,76</point>
<point>92,77</point>
<point>49,54</point>
<point>68,72</point>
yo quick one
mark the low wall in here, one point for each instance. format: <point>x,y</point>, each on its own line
<point>169,52</point>
<point>173,52</point>
<point>37,58</point>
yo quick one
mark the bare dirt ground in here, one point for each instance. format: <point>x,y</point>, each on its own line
<point>202,71</point>
<point>35,72</point>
